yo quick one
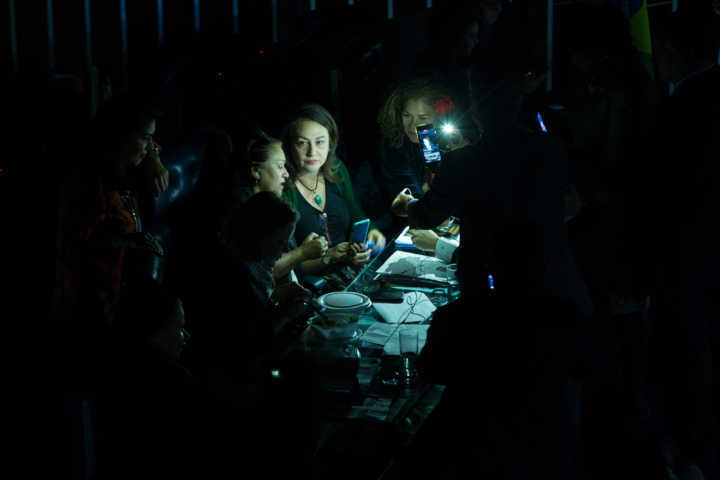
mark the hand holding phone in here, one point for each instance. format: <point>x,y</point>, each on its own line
<point>360,231</point>
<point>429,142</point>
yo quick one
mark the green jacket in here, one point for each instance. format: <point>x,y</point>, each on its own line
<point>291,196</point>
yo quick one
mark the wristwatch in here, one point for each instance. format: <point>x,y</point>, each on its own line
<point>326,259</point>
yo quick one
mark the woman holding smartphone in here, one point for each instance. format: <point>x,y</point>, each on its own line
<point>322,193</point>
<point>410,104</point>
<point>402,164</point>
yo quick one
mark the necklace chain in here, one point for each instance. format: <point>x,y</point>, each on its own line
<point>316,196</point>
<point>317,181</point>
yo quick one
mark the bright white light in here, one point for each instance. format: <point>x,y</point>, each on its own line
<point>447,128</point>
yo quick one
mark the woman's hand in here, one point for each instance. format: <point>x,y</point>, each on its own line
<point>314,246</point>
<point>145,241</point>
<point>155,176</point>
<point>360,254</point>
<point>400,204</point>
<point>458,141</point>
<point>340,253</point>
<point>376,237</point>
<point>424,239</point>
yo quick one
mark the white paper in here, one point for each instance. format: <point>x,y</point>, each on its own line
<point>417,266</point>
<point>378,333</point>
<point>415,308</point>
<point>388,336</point>
<point>404,240</point>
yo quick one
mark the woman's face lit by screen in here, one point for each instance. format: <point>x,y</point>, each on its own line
<point>417,111</point>
<point>271,175</point>
<point>311,147</point>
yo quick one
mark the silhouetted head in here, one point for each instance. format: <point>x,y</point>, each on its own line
<point>123,130</point>
<point>682,42</point>
<point>149,313</point>
<point>261,227</point>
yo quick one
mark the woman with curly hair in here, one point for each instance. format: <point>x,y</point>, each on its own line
<point>402,164</point>
<point>409,104</point>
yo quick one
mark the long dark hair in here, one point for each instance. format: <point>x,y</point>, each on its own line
<point>319,114</point>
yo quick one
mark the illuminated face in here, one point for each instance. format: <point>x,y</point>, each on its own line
<point>139,143</point>
<point>417,111</point>
<point>311,147</point>
<point>271,174</point>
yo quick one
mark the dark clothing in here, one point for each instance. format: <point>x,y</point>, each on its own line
<point>228,313</point>
<point>91,272</point>
<point>682,233</point>
<point>510,407</point>
<point>337,221</point>
<point>346,201</point>
<point>152,417</point>
<point>509,176</point>
<point>402,167</point>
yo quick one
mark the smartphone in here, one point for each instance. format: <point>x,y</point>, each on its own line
<point>360,231</point>
<point>429,142</point>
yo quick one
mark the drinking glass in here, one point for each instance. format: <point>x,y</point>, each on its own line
<point>408,338</point>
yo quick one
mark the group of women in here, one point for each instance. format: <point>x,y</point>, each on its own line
<point>282,211</point>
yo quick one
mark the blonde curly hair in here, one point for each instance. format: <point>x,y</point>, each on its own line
<point>390,115</point>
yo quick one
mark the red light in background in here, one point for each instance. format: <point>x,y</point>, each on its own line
<point>262,51</point>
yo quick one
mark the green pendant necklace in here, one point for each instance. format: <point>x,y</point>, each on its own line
<point>316,196</point>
